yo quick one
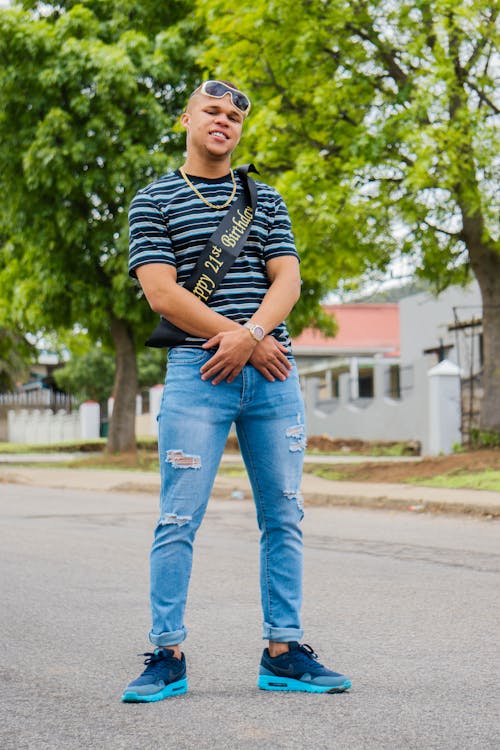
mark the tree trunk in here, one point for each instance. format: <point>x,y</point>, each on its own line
<point>484,252</point>
<point>485,261</point>
<point>121,437</point>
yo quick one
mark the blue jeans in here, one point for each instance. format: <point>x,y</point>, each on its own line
<point>194,422</point>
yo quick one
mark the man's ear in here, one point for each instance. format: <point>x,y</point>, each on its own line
<point>184,120</point>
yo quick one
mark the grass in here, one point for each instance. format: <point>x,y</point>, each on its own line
<point>74,446</point>
<point>150,444</point>
<point>480,480</point>
<point>369,449</point>
<point>325,472</point>
<point>483,477</point>
<point>232,471</point>
<point>486,479</point>
<point>143,460</point>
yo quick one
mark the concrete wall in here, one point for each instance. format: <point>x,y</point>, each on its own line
<point>378,418</point>
<point>424,320</point>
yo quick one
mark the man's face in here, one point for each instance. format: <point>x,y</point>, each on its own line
<point>213,125</point>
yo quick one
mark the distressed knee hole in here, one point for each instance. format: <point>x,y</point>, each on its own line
<point>297,496</point>
<point>173,518</point>
<point>297,436</point>
<point>180,460</point>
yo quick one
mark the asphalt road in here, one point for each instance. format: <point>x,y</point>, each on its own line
<point>406,604</point>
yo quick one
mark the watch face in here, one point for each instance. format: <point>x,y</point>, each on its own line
<point>258,332</point>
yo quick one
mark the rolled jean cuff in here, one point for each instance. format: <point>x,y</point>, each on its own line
<point>168,639</point>
<point>281,635</point>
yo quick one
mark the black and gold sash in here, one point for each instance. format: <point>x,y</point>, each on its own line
<point>217,256</point>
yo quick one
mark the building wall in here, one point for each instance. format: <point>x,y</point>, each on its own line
<point>375,419</point>
<point>424,320</point>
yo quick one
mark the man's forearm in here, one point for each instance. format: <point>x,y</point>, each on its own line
<point>184,310</point>
<point>179,306</point>
<point>279,300</point>
<point>191,315</point>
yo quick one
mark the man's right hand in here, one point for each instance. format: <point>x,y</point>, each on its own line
<point>234,349</point>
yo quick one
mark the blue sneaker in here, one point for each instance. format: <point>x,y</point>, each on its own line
<point>298,670</point>
<point>165,675</point>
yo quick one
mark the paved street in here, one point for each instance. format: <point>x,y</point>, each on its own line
<point>406,604</point>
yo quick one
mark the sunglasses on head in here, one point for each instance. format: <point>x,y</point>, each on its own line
<point>217,90</point>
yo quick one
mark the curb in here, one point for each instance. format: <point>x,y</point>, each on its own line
<point>384,502</point>
<point>319,492</point>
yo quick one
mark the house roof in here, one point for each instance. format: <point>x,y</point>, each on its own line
<point>363,330</point>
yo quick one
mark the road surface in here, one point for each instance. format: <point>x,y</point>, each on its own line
<point>405,604</point>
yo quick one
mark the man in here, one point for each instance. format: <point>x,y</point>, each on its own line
<point>235,366</point>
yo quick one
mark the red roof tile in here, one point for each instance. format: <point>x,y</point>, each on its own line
<point>362,329</point>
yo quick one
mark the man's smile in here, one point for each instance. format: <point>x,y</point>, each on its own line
<point>219,134</point>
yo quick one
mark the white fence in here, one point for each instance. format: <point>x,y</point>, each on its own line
<point>39,397</point>
<point>42,426</point>
<point>38,426</point>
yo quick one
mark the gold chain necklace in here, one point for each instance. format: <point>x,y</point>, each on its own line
<point>207,203</point>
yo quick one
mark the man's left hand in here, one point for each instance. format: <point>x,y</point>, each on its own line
<point>270,358</point>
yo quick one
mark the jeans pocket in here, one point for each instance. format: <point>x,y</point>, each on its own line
<point>187,355</point>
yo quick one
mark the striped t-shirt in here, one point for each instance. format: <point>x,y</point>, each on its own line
<point>170,224</point>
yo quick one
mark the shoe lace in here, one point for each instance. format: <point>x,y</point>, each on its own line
<point>308,651</point>
<point>152,659</point>
<point>307,654</point>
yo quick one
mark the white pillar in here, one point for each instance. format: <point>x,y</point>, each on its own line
<point>329,384</point>
<point>354,379</point>
<point>138,405</point>
<point>445,408</point>
<point>155,394</point>
<point>344,388</point>
<point>111,403</point>
<point>90,420</point>
<point>311,393</point>
<point>380,372</point>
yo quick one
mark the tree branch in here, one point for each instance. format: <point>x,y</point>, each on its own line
<point>481,44</point>
<point>427,19</point>
<point>453,235</point>
<point>388,57</point>
<point>482,96</point>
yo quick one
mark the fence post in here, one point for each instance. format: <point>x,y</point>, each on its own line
<point>138,405</point>
<point>445,408</point>
<point>155,394</point>
<point>90,420</point>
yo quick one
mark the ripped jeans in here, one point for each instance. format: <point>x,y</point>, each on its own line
<point>194,422</point>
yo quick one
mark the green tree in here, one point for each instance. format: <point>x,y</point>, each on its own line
<point>90,371</point>
<point>88,376</point>
<point>376,119</point>
<point>16,356</point>
<point>151,364</point>
<point>90,93</point>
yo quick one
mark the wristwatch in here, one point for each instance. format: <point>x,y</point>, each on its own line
<point>256,331</point>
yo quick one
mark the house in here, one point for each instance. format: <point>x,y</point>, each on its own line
<point>371,380</point>
<point>365,331</point>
